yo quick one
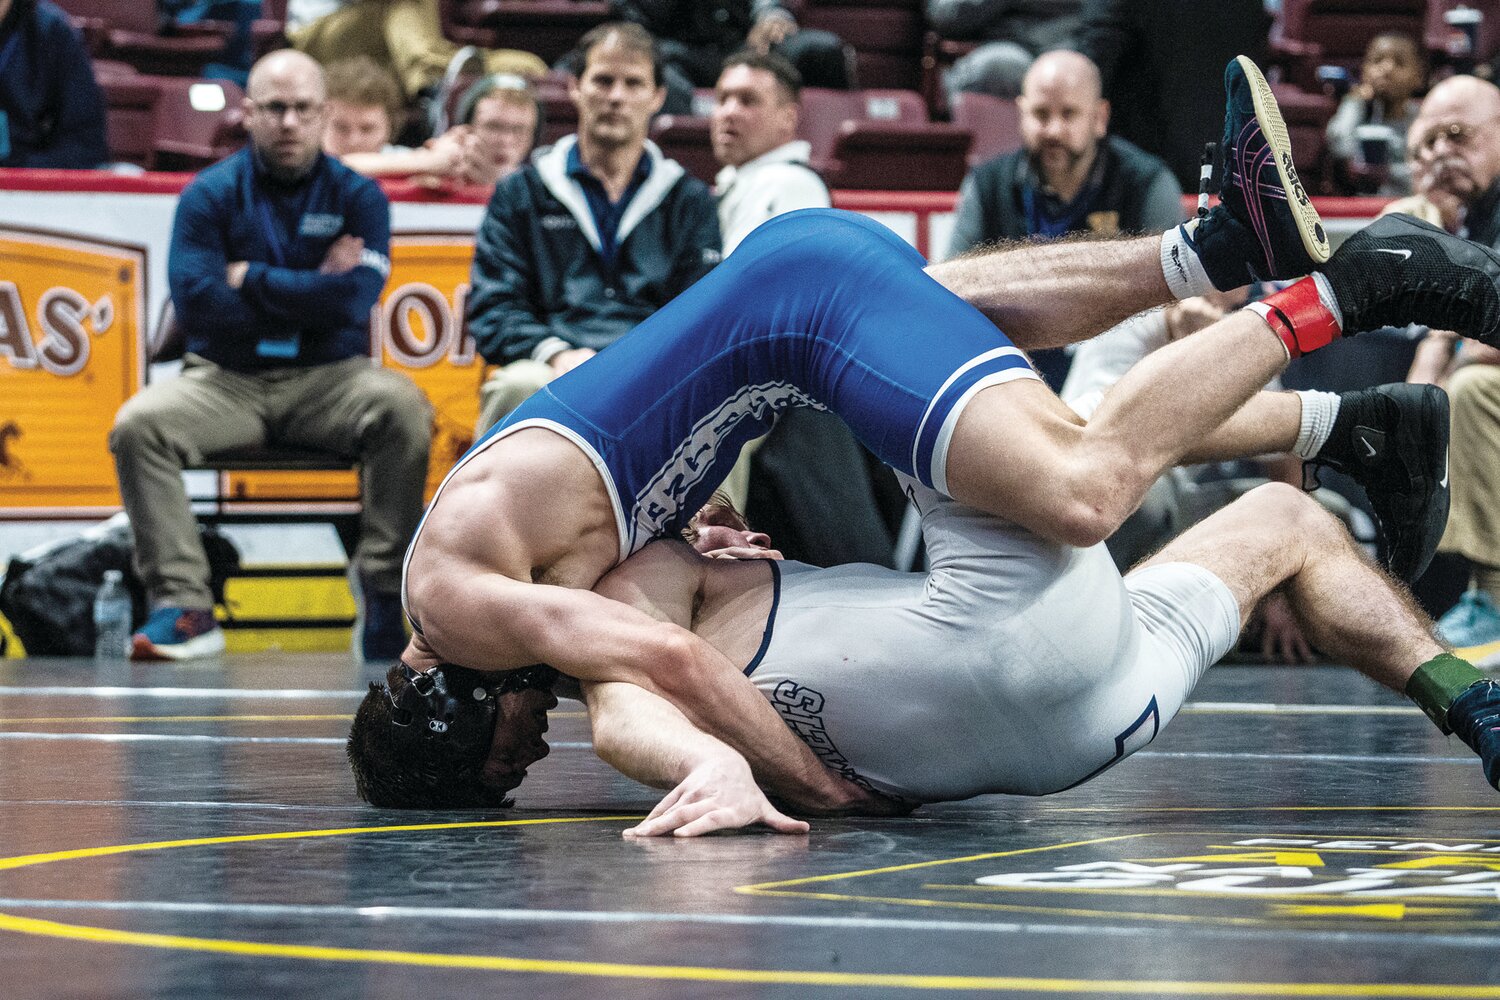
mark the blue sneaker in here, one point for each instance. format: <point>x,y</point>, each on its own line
<point>1474,717</point>
<point>383,635</point>
<point>1472,628</point>
<point>1265,225</point>
<point>178,634</point>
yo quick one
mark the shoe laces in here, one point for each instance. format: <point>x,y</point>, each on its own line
<point>1446,307</point>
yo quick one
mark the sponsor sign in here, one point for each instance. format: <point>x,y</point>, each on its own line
<point>1373,882</point>
<point>71,339</point>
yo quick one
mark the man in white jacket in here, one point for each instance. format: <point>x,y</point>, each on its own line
<point>754,134</point>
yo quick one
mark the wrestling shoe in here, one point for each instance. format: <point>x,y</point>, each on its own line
<point>1265,225</point>
<point>177,634</point>
<point>1475,717</point>
<point>1393,441</point>
<point>1398,270</point>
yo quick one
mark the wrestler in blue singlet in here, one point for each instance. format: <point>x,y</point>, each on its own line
<point>817,308</point>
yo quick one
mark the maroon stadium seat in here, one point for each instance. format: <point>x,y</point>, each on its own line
<point>550,28</point>
<point>824,113</point>
<point>130,117</point>
<point>1306,114</point>
<point>886,36</point>
<point>893,156</point>
<point>684,138</point>
<point>994,121</point>
<point>1310,33</point>
<point>129,31</point>
<point>198,122</point>
<point>1437,33</point>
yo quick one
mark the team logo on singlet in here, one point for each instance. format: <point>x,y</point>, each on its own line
<point>660,501</point>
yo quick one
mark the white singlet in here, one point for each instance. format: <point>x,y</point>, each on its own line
<point>1015,665</point>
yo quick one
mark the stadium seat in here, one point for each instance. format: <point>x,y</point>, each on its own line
<point>550,28</point>
<point>824,113</point>
<point>1437,35</point>
<point>893,156</point>
<point>130,31</point>
<point>1311,33</point>
<point>994,121</point>
<point>886,36</point>
<point>198,123</point>
<point>130,117</point>
<point>684,138</point>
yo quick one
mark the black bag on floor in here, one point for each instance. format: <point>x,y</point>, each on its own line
<point>47,594</point>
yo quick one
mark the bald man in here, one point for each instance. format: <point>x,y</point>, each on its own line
<point>1070,176</point>
<point>1454,150</point>
<point>278,254</point>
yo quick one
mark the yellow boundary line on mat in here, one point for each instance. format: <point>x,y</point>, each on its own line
<point>621,970</point>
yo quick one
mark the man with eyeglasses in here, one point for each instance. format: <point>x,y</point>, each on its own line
<point>1454,150</point>
<point>278,254</point>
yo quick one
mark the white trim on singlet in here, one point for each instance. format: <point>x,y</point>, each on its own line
<point>542,422</point>
<point>916,440</point>
<point>945,434</point>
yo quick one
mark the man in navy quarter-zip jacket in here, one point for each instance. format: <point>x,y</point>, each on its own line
<point>278,255</point>
<point>592,236</point>
<point>51,111</point>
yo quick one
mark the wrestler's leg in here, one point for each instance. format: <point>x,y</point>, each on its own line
<point>1276,537</point>
<point>1048,295</point>
<point>1018,452</point>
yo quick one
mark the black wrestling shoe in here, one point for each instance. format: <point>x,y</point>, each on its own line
<point>1393,441</point>
<point>1475,717</point>
<point>1265,225</point>
<point>1399,270</point>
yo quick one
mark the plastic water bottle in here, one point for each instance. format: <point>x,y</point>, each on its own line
<point>112,618</point>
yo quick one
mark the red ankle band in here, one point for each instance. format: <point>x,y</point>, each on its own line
<point>1297,315</point>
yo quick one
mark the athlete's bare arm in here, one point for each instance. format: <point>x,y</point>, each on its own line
<point>646,738</point>
<point>1051,294</point>
<point>594,638</point>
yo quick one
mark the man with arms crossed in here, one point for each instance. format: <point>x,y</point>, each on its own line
<point>628,449</point>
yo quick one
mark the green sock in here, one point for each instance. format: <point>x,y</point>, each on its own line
<point>1438,682</point>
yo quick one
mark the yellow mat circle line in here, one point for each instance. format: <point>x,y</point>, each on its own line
<point>501,963</point>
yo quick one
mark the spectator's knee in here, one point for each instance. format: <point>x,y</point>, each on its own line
<point>138,427</point>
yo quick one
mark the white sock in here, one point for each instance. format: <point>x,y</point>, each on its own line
<point>1180,264</point>
<point>1319,411</point>
<point>1330,301</point>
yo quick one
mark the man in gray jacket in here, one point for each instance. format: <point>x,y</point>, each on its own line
<point>590,238</point>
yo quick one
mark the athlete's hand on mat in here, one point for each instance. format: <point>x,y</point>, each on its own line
<point>744,552</point>
<point>718,795</point>
<point>565,361</point>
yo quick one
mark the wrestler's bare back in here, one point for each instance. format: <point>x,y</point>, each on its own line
<point>531,508</point>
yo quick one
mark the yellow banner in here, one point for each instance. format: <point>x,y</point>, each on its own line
<point>72,333</point>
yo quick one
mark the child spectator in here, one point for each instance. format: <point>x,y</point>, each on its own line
<point>1367,135</point>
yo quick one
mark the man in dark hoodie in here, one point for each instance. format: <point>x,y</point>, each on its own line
<point>51,111</point>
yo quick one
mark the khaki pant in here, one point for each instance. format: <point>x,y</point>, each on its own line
<point>509,386</point>
<point>1474,465</point>
<point>350,408</point>
<point>403,35</point>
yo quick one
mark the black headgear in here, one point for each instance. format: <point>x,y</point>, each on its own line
<point>448,697</point>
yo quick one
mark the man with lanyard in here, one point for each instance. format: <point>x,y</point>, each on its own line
<point>51,110</point>
<point>1068,177</point>
<point>278,254</point>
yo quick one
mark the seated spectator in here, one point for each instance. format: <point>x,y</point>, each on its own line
<point>1454,153</point>
<point>403,35</point>
<point>1367,135</point>
<point>1069,176</point>
<point>696,36</point>
<point>591,237</point>
<point>503,119</point>
<point>278,254</point>
<point>361,116</point>
<point>754,135</point>
<point>1010,35</point>
<point>51,110</point>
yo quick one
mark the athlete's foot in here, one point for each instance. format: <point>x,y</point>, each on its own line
<point>1475,717</point>
<point>1265,225</point>
<point>1398,270</point>
<point>1393,441</point>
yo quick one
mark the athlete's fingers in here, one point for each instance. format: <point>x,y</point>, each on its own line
<point>671,820</point>
<point>782,823</point>
<point>718,819</point>
<point>667,802</point>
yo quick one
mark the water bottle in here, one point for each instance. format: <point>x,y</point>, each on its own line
<point>112,618</point>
